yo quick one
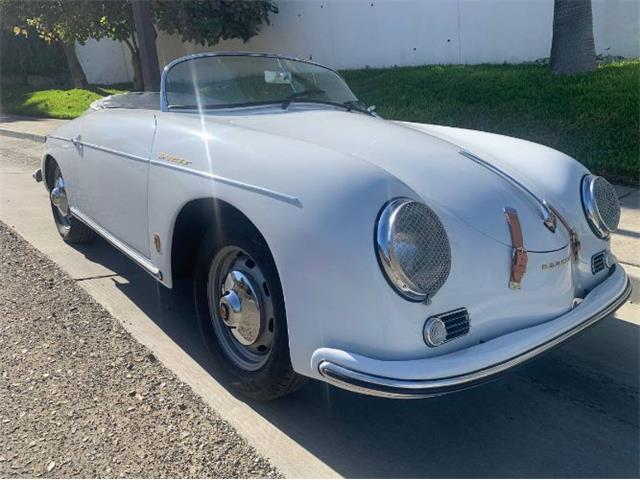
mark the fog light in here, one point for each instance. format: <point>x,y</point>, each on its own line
<point>435,332</point>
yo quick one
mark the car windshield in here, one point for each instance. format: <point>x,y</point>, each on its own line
<point>227,81</point>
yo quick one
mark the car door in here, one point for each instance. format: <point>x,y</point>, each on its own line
<point>113,167</point>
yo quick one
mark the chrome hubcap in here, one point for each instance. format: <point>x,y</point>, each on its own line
<point>58,196</point>
<point>241,308</point>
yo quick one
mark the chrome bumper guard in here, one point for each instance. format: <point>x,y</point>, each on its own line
<point>394,388</point>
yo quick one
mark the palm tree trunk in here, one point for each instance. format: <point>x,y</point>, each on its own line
<point>78,77</point>
<point>572,48</point>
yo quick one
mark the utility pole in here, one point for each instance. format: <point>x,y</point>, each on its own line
<point>146,34</point>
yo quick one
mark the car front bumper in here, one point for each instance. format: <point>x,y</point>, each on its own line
<point>473,365</point>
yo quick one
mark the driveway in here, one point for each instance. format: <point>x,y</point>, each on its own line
<point>572,413</point>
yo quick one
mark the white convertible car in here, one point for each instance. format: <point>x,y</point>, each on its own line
<point>385,257</point>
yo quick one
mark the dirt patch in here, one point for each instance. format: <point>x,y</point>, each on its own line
<point>79,397</point>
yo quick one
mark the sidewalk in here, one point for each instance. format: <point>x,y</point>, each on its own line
<point>28,127</point>
<point>625,243</point>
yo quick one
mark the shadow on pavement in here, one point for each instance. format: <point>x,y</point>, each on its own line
<point>571,413</point>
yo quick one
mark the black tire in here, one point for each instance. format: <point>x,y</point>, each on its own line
<point>276,376</point>
<point>72,230</point>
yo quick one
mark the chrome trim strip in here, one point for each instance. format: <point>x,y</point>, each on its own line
<point>234,183</point>
<point>56,137</point>
<point>394,388</point>
<point>78,142</point>
<point>123,247</point>
<point>541,203</point>
<point>112,151</point>
<point>210,176</point>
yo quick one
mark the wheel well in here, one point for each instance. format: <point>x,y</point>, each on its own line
<point>49,165</point>
<point>193,221</point>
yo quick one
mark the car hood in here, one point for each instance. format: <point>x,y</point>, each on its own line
<point>431,166</point>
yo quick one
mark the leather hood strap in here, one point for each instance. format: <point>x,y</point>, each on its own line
<point>519,259</point>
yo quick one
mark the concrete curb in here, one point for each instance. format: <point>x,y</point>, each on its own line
<point>17,134</point>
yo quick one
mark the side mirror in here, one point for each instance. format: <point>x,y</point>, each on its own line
<point>371,109</point>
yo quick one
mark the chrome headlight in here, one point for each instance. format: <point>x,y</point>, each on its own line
<point>601,205</point>
<point>413,249</point>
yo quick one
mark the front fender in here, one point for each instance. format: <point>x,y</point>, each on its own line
<point>553,174</point>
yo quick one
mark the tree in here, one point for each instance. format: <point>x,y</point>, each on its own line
<point>115,21</point>
<point>572,48</point>
<point>206,22</point>
<point>55,22</point>
<point>68,22</point>
<point>143,17</point>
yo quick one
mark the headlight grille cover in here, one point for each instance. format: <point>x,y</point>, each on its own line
<point>601,205</point>
<point>413,248</point>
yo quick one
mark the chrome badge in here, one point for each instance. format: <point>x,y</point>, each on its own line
<point>173,158</point>
<point>550,265</point>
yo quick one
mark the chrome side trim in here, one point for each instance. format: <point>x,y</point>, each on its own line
<point>56,137</point>
<point>234,183</point>
<point>210,176</point>
<point>119,153</point>
<point>394,388</point>
<point>134,255</point>
<point>547,215</point>
<point>77,141</point>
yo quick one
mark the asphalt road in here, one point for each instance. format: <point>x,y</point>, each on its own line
<point>571,413</point>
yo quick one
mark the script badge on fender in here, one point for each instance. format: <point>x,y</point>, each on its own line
<point>547,266</point>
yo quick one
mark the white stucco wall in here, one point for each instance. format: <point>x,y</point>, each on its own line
<point>105,61</point>
<point>380,33</point>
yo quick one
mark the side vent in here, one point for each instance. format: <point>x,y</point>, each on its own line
<point>599,262</point>
<point>444,327</point>
<point>456,323</point>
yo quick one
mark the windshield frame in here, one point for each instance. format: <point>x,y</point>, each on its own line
<point>164,104</point>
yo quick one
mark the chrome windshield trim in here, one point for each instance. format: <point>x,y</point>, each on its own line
<point>164,104</point>
<point>361,382</point>
<point>548,217</point>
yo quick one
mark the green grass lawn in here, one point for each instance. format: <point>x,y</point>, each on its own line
<point>52,103</point>
<point>595,118</point>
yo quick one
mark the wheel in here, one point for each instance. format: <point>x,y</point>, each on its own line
<point>241,314</point>
<point>70,228</point>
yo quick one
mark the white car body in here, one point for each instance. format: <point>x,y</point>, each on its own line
<point>313,181</point>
